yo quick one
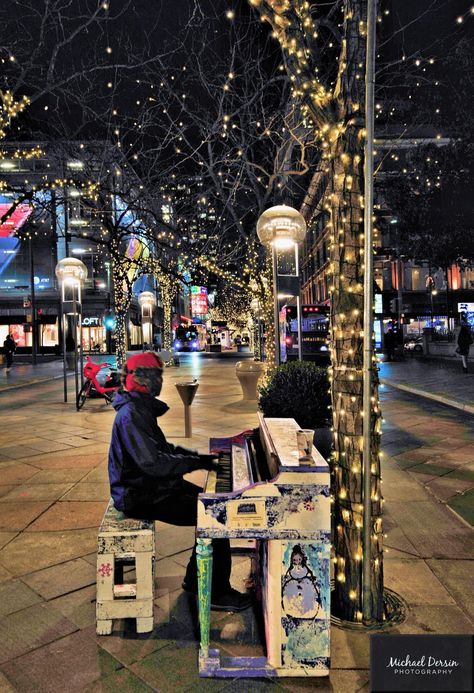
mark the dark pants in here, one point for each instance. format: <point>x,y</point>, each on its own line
<point>181,509</point>
<point>9,358</point>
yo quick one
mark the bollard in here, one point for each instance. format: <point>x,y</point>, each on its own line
<point>187,392</point>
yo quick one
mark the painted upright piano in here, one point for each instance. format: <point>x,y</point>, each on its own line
<point>263,492</point>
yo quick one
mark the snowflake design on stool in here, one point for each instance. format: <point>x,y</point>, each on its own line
<point>105,569</point>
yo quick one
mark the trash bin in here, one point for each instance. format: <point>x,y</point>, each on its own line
<point>249,373</point>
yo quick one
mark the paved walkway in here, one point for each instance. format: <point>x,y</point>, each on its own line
<point>22,374</point>
<point>440,380</point>
<point>53,491</point>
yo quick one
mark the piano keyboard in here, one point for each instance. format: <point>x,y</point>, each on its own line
<point>240,467</point>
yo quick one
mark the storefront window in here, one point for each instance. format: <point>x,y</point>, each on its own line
<point>93,339</point>
<point>135,334</point>
<point>467,279</point>
<point>21,337</point>
<point>48,335</point>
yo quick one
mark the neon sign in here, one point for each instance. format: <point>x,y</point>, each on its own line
<point>199,300</point>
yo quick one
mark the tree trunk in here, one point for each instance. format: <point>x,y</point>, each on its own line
<point>122,303</point>
<point>121,335</point>
<point>344,202</point>
<point>269,295</point>
<point>168,288</point>
<point>339,129</point>
<point>167,297</point>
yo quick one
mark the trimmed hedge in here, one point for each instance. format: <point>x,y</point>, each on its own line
<point>298,390</point>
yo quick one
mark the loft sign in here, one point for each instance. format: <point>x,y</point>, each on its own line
<point>90,322</point>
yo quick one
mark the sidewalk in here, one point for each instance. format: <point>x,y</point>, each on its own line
<point>442,381</point>
<point>443,464</point>
<point>53,492</point>
<point>23,374</point>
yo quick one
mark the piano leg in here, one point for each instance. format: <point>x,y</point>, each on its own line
<point>204,570</point>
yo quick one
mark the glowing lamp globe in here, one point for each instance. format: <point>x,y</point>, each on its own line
<point>147,298</point>
<point>255,305</point>
<point>281,226</point>
<point>70,270</point>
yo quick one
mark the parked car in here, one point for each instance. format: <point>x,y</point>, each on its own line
<point>415,344</point>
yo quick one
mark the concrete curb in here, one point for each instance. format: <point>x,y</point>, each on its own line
<point>430,395</point>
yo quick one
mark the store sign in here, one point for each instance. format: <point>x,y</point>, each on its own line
<point>465,307</point>
<point>378,304</point>
<point>40,281</point>
<point>90,322</point>
<point>199,300</point>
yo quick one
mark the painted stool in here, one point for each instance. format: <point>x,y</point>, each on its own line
<point>125,541</point>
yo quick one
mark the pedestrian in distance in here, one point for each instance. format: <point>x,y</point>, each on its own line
<point>146,472</point>
<point>464,342</point>
<point>9,348</point>
<point>389,343</point>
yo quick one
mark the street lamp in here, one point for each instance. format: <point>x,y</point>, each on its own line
<point>283,228</point>
<point>147,301</point>
<point>71,274</point>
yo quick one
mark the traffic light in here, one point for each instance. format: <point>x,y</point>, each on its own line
<point>394,305</point>
<point>109,322</point>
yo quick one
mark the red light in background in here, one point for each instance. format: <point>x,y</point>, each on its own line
<point>15,220</point>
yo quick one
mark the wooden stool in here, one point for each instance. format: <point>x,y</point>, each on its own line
<point>125,541</point>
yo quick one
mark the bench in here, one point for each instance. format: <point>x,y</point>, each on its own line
<point>125,541</point>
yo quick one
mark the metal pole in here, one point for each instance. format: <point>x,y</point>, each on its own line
<point>74,320</point>
<point>34,333</point>
<point>300,331</point>
<point>66,223</point>
<point>276,317</point>
<point>399,293</point>
<point>81,349</point>
<point>188,428</point>
<point>298,307</point>
<point>368,309</point>
<point>63,319</point>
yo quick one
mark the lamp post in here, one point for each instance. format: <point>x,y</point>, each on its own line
<point>71,274</point>
<point>282,228</point>
<point>147,301</point>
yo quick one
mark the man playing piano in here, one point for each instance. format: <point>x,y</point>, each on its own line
<point>146,472</point>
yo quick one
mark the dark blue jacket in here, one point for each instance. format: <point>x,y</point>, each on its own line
<point>141,461</point>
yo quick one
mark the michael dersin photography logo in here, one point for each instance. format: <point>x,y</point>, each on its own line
<point>421,663</point>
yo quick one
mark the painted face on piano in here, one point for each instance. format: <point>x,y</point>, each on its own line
<point>300,589</point>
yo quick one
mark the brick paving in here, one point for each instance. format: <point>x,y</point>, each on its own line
<point>53,490</point>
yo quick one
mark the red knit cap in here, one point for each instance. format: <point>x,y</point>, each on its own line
<point>147,359</point>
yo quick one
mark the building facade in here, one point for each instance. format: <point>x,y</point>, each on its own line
<point>44,218</point>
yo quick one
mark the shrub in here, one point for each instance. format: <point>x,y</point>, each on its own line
<point>298,390</point>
